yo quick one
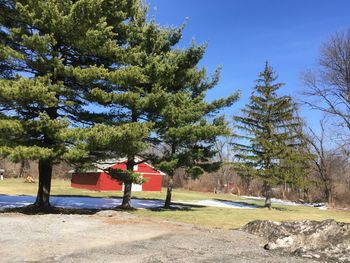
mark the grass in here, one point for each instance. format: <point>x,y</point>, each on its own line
<point>201,216</point>
<point>235,218</point>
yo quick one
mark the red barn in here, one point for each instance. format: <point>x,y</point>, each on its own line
<point>96,179</point>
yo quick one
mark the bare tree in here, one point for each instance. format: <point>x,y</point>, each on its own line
<point>317,143</point>
<point>225,174</point>
<point>331,165</point>
<point>24,167</point>
<point>330,85</point>
<point>328,90</point>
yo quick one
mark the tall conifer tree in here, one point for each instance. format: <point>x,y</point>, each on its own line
<point>188,131</point>
<point>164,74</point>
<point>139,100</point>
<point>49,53</point>
<point>58,57</point>
<point>269,147</point>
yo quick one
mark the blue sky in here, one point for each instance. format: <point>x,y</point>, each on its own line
<point>243,34</point>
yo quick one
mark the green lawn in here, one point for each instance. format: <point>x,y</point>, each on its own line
<point>202,216</point>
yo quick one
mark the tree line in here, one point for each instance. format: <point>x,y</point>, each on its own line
<point>85,81</point>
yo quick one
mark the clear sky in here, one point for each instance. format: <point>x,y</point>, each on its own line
<point>243,34</point>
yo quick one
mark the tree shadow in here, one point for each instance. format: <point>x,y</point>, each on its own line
<point>239,204</point>
<point>32,210</point>
<point>176,207</point>
<point>108,197</point>
<point>284,209</point>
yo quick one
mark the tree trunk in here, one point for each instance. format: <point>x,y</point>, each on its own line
<point>42,202</point>
<point>267,195</point>
<point>246,184</point>
<point>284,190</point>
<point>126,204</point>
<point>307,195</point>
<point>169,190</point>
<point>25,167</point>
<point>328,193</point>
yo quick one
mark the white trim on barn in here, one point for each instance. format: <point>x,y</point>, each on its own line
<point>134,187</point>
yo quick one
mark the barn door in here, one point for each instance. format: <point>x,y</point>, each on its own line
<point>135,187</point>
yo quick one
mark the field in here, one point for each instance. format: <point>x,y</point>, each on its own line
<point>201,216</point>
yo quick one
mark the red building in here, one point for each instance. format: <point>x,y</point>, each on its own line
<point>96,179</point>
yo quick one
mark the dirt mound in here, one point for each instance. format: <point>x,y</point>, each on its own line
<point>326,240</point>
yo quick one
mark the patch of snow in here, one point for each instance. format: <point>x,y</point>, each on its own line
<point>219,203</point>
<point>252,197</point>
<point>321,206</point>
<point>10,201</point>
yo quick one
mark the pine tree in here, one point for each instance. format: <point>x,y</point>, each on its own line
<point>269,147</point>
<point>164,73</point>
<point>57,58</point>
<point>188,131</point>
<point>138,99</point>
<point>50,54</point>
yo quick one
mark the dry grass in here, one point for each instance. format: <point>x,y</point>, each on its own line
<point>235,218</point>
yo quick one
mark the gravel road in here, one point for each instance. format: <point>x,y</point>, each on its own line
<point>111,236</point>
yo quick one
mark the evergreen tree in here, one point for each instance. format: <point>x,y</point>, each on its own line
<point>56,58</point>
<point>165,73</point>
<point>296,161</point>
<point>49,53</point>
<point>139,99</point>
<point>188,131</point>
<point>270,147</point>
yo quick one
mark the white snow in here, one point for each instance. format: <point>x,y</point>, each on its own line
<point>321,206</point>
<point>10,201</point>
<point>273,200</point>
<point>218,203</point>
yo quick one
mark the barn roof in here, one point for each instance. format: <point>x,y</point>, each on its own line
<point>101,166</point>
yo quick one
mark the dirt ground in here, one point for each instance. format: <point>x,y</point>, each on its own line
<point>112,236</point>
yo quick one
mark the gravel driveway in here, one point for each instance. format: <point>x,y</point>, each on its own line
<point>111,236</point>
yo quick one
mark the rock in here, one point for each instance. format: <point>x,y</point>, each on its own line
<point>108,213</point>
<point>116,214</point>
<point>326,240</point>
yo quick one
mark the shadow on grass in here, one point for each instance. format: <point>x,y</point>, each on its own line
<point>176,207</point>
<point>89,196</point>
<point>33,210</point>
<point>109,196</point>
<point>240,203</point>
<point>284,209</point>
